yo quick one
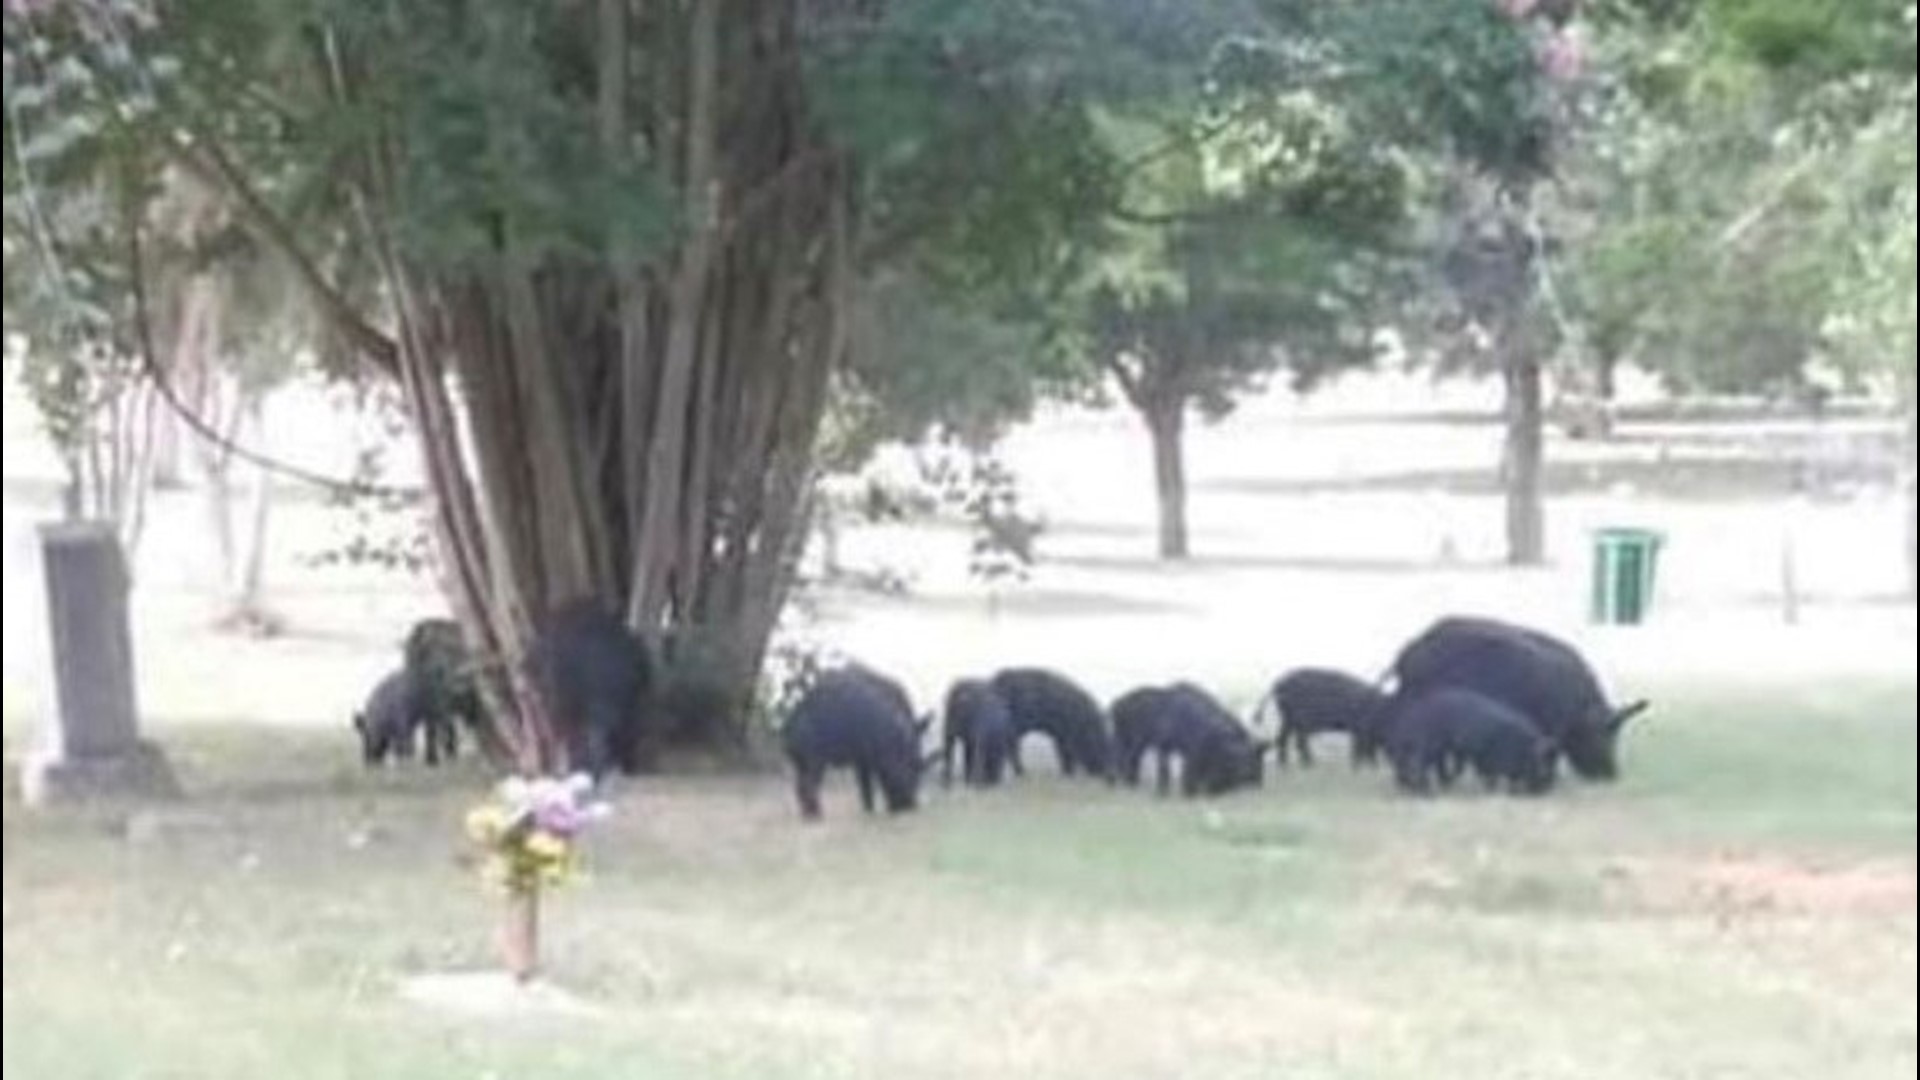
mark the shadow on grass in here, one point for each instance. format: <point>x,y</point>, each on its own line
<point>238,762</point>
<point>1695,412</point>
<point>1328,564</point>
<point>1691,478</point>
<point>1045,603</point>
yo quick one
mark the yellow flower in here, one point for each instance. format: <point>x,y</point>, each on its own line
<point>546,847</point>
<point>517,855</point>
<point>558,871</point>
<point>486,823</point>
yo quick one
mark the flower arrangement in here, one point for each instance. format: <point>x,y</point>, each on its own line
<point>528,831</point>
<point>528,835</point>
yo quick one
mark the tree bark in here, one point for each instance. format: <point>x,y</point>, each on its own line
<point>653,557</point>
<point>1166,424</point>
<point>1524,454</point>
<point>1605,390</point>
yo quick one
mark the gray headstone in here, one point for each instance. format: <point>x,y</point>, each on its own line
<point>93,749</point>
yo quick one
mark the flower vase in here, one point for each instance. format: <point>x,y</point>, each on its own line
<point>520,934</point>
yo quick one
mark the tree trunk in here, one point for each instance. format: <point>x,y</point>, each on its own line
<point>217,481</point>
<point>135,461</point>
<point>168,452</point>
<point>247,586</point>
<point>1522,466</point>
<point>240,547</point>
<point>642,434</point>
<point>1605,390</point>
<point>194,325</point>
<point>216,478</point>
<point>1166,424</point>
<point>1907,483</point>
<point>689,301</point>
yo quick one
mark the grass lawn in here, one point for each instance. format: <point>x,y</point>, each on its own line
<point>1741,905</point>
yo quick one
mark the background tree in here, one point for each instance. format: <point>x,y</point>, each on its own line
<point>1478,88</point>
<point>80,185</point>
<point>253,352</point>
<point>1256,241</point>
<point>1739,210</point>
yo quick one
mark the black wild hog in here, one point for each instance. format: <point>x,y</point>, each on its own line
<point>387,722</point>
<point>1216,752</point>
<point>1429,736</point>
<point>979,725</point>
<point>845,720</point>
<point>1040,700</point>
<point>597,678</point>
<point>1142,720</point>
<point>1315,700</point>
<point>448,694</point>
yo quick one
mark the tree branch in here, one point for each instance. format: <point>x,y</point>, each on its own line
<point>225,442</point>
<point>206,160</point>
<point>1170,217</point>
<point>1129,382</point>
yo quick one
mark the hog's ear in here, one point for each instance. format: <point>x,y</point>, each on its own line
<point>359,721</point>
<point>1620,717</point>
<point>921,725</point>
<point>929,759</point>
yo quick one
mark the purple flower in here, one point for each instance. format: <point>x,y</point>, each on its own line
<point>554,806</point>
<point>559,818</point>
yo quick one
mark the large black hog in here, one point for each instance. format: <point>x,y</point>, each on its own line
<point>1537,675</point>
<point>1055,705</point>
<point>1429,736</point>
<point>1216,752</point>
<point>597,678</point>
<point>1311,701</point>
<point>979,725</point>
<point>846,719</point>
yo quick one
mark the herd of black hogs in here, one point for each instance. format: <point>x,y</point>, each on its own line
<point>1505,701</point>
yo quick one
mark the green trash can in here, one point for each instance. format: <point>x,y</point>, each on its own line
<point>1624,561</point>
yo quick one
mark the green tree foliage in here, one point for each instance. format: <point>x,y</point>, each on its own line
<point>79,178</point>
<point>1261,241</point>
<point>624,245</point>
<point>1741,153</point>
